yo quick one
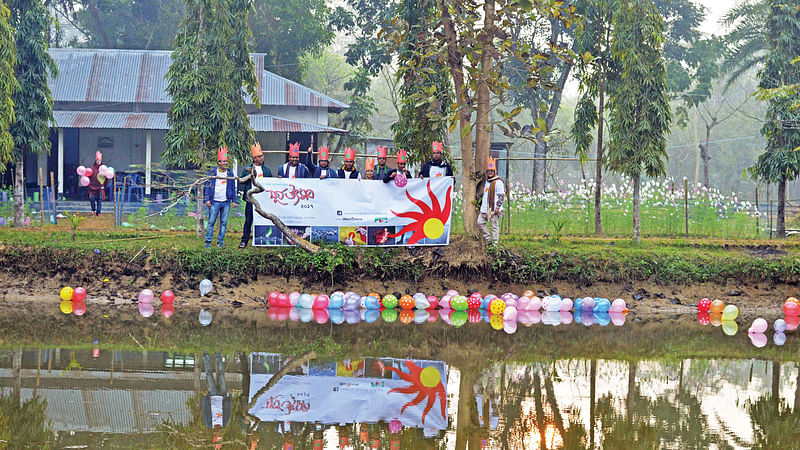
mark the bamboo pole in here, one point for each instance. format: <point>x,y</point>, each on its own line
<point>757,212</point>
<point>53,188</point>
<point>686,205</point>
<point>41,197</point>
<point>508,188</point>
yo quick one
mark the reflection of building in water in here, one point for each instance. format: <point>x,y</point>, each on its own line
<point>117,392</point>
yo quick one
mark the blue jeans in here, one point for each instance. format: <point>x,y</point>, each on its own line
<point>220,209</point>
<point>96,201</point>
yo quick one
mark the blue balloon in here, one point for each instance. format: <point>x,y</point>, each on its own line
<point>576,316</point>
<point>336,316</point>
<point>306,315</point>
<point>336,301</point>
<point>577,304</point>
<point>602,305</point>
<point>372,303</point>
<point>485,303</point>
<point>485,315</point>
<point>371,315</point>
<point>602,318</point>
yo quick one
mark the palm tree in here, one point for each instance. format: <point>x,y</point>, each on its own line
<point>745,40</point>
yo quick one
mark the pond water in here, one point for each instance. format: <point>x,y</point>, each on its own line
<point>475,385</point>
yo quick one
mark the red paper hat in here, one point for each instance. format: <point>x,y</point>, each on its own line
<point>349,154</point>
<point>294,149</point>
<point>324,153</point>
<point>222,154</point>
<point>370,164</point>
<point>98,156</point>
<point>255,150</point>
<point>402,156</point>
<point>436,146</point>
<point>490,164</point>
<point>382,152</point>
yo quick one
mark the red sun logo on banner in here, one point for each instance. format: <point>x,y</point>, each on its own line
<point>429,221</point>
<point>426,383</point>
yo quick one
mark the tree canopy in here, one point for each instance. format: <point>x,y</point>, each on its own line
<point>8,85</point>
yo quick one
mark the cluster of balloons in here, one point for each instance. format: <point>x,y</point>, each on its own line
<point>791,307</point>
<point>449,316</point>
<point>72,300</point>
<point>145,303</point>
<point>103,172</point>
<point>791,321</point>
<point>717,313</point>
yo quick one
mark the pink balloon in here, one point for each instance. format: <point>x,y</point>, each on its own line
<point>78,295</point>
<point>283,300</point>
<point>510,326</point>
<point>146,309</point>
<point>110,172</point>
<point>81,170</point>
<point>535,304</point>
<point>536,316</point>
<point>452,292</point>
<point>321,316</point>
<point>146,296</point>
<point>758,339</point>
<point>566,304</point>
<point>617,306</point>
<point>618,318</point>
<point>511,302</point>
<point>102,169</point>
<point>566,317</point>
<point>400,180</point>
<point>434,302</point>
<point>293,298</point>
<point>510,313</point>
<point>88,172</point>
<point>759,326</point>
<point>272,298</point>
<point>84,181</point>
<point>522,303</point>
<point>321,302</point>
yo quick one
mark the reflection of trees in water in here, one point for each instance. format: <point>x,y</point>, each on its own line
<point>775,424</point>
<point>24,425</point>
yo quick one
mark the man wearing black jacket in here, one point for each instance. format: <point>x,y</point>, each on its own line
<point>436,167</point>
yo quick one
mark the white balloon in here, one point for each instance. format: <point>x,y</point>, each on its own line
<point>205,287</point>
<point>205,317</point>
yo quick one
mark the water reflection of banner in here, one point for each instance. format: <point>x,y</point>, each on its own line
<point>365,390</point>
<point>356,212</point>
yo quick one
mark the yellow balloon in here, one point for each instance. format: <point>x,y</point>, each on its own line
<point>430,377</point>
<point>66,294</point>
<point>730,312</point>
<point>729,327</point>
<point>496,321</point>
<point>66,307</point>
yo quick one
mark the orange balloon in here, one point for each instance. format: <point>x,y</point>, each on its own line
<point>375,294</point>
<point>715,318</point>
<point>528,293</point>
<point>717,306</point>
<point>406,316</point>
<point>406,302</point>
<point>792,300</point>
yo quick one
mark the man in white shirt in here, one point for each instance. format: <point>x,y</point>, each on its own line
<point>348,170</point>
<point>220,195</point>
<point>259,171</point>
<point>494,193</point>
<point>294,168</point>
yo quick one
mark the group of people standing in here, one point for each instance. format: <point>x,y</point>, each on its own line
<point>220,193</point>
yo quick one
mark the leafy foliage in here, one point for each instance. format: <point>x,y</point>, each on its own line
<point>210,67</point>
<point>8,85</point>
<point>745,41</point>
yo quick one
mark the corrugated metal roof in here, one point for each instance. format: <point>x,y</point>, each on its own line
<point>131,76</point>
<point>158,121</point>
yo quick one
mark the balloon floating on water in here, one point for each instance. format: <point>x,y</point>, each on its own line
<point>66,294</point>
<point>759,326</point>
<point>167,297</point>
<point>204,318</point>
<point>146,296</point>
<point>730,312</point>
<point>79,294</point>
<point>205,287</point>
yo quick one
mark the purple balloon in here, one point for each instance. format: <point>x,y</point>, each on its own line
<point>400,180</point>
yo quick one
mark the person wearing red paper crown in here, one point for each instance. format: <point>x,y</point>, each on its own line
<point>348,170</point>
<point>402,159</point>
<point>369,169</point>
<point>436,167</point>
<point>494,193</point>
<point>96,189</point>
<point>259,171</point>
<point>381,170</point>
<point>294,168</point>
<point>322,171</point>
<point>220,195</point>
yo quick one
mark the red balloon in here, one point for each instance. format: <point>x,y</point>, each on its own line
<point>321,316</point>
<point>88,172</point>
<point>433,301</point>
<point>78,308</point>
<point>789,308</point>
<point>792,322</point>
<point>704,318</point>
<point>272,298</point>
<point>167,297</point>
<point>167,309</point>
<point>283,300</point>
<point>474,303</point>
<point>79,295</point>
<point>704,305</point>
<point>473,316</point>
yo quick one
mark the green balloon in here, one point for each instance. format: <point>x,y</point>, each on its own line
<point>389,315</point>
<point>459,303</point>
<point>459,318</point>
<point>389,301</point>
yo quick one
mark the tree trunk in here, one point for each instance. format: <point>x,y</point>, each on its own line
<point>636,231</point>
<point>540,165</point>
<point>592,394</point>
<point>598,176</point>
<point>483,126</point>
<point>632,366</point>
<point>776,384</point>
<point>781,225</point>
<point>467,421</point>
<point>704,151</point>
<point>200,213</point>
<point>19,193</point>
<point>468,178</point>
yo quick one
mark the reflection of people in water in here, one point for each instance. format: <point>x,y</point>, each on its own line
<point>216,402</point>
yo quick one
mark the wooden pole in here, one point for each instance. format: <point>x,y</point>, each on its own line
<point>757,213</point>
<point>41,196</point>
<point>686,205</point>
<point>508,189</point>
<point>53,195</point>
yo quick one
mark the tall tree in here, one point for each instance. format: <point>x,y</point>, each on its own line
<point>8,85</point>
<point>745,40</point>
<point>211,67</point>
<point>639,103</point>
<point>780,161</point>
<point>473,43</point>
<point>33,99</point>
<point>418,127</point>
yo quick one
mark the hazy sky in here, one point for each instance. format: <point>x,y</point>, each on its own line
<point>715,9</point>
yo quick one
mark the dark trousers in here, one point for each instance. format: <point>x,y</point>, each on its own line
<point>96,201</point>
<point>248,222</point>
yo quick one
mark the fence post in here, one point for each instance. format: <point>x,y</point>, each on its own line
<point>757,212</point>
<point>508,188</point>
<point>686,205</point>
<point>53,188</point>
<point>770,217</point>
<point>41,196</point>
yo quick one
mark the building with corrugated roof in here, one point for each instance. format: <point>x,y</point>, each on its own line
<point>116,101</point>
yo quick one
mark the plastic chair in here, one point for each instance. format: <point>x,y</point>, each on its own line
<point>135,187</point>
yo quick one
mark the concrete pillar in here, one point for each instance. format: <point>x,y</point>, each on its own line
<point>60,160</point>
<point>148,157</point>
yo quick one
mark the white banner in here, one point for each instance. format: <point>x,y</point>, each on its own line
<point>356,212</point>
<point>361,390</point>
